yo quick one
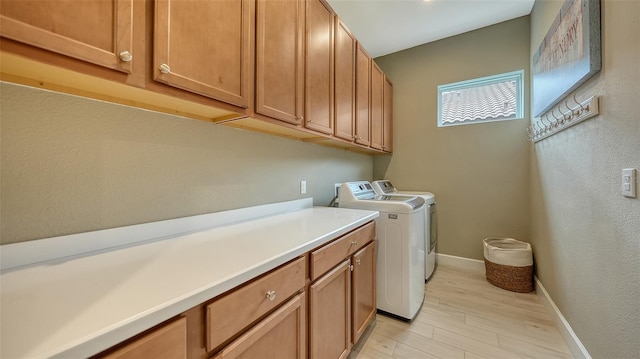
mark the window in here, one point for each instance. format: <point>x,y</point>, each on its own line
<point>486,99</point>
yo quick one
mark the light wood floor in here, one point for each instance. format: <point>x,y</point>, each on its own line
<point>463,316</point>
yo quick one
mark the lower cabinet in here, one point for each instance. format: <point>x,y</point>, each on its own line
<point>342,301</point>
<point>269,316</point>
<point>280,335</point>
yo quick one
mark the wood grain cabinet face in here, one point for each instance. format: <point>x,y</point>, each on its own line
<point>168,342</point>
<point>363,100</point>
<point>280,59</point>
<point>377,103</point>
<point>281,335</point>
<point>327,257</point>
<point>205,47</point>
<point>232,313</point>
<point>345,81</point>
<point>387,128</point>
<point>364,289</point>
<point>342,296</point>
<point>330,314</point>
<point>99,32</point>
<point>319,67</point>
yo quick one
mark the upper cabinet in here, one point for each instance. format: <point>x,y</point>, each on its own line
<point>387,118</point>
<point>363,98</point>
<point>205,47</point>
<point>289,68</point>
<point>98,32</point>
<point>319,67</point>
<point>280,59</point>
<point>345,81</point>
<point>377,103</point>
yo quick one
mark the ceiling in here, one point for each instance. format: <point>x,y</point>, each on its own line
<point>387,26</point>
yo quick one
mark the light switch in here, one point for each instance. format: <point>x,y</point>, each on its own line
<point>303,187</point>
<point>629,182</point>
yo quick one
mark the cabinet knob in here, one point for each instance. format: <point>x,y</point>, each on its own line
<point>125,56</point>
<point>165,69</point>
<point>354,243</point>
<point>357,261</point>
<point>271,295</point>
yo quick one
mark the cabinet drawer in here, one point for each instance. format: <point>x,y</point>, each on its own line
<point>330,255</point>
<point>227,316</point>
<point>169,341</point>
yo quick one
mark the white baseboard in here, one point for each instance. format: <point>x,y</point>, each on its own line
<point>573,342</point>
<point>460,262</point>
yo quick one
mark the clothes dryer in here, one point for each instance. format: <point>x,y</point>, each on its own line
<point>385,187</point>
<point>401,252</point>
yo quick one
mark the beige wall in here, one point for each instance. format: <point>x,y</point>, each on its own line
<point>478,172</point>
<point>585,234</point>
<point>72,165</point>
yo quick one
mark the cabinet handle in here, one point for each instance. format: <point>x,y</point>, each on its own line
<point>354,243</point>
<point>165,69</point>
<point>271,295</point>
<point>125,56</point>
<point>351,267</point>
<point>357,261</point>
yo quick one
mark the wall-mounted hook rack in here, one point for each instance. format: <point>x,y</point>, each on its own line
<point>541,129</point>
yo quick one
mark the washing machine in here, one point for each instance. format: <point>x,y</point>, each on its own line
<point>401,252</point>
<point>385,187</point>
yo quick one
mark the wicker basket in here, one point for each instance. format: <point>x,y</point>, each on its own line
<point>515,270</point>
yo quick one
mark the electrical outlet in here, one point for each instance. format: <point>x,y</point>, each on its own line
<point>303,187</point>
<point>629,182</point>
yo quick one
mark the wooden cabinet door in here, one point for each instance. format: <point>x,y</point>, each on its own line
<point>99,32</point>
<point>330,314</point>
<point>205,47</point>
<point>345,81</point>
<point>364,289</point>
<point>387,118</point>
<point>318,101</point>
<point>363,81</point>
<point>377,103</point>
<point>281,335</point>
<point>280,59</point>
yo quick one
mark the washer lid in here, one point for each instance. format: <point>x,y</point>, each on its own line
<point>382,187</point>
<point>361,195</point>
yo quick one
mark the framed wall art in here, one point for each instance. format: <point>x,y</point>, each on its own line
<point>569,54</point>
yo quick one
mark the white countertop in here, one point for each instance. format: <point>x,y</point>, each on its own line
<point>79,306</point>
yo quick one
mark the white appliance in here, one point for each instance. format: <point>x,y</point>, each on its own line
<point>385,187</point>
<point>400,231</point>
